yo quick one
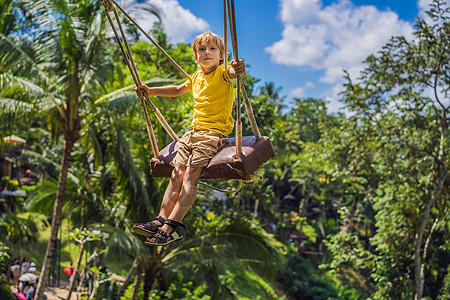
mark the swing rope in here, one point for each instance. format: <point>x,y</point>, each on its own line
<point>151,134</point>
<point>228,5</point>
<point>223,191</point>
<point>238,126</point>
<point>150,39</point>
<point>240,84</point>
<point>128,57</point>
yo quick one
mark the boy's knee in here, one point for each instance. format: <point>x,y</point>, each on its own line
<point>192,175</point>
<point>193,172</point>
<point>178,174</point>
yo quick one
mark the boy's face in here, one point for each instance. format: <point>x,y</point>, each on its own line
<point>208,56</point>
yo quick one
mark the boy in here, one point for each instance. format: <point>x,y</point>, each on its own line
<point>213,95</point>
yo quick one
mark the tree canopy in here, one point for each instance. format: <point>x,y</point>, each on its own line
<point>353,205</point>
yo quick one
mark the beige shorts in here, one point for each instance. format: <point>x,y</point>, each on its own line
<point>197,147</point>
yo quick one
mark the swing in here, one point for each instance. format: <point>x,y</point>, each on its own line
<point>241,157</point>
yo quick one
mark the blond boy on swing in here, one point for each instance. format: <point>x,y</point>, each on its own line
<point>213,95</point>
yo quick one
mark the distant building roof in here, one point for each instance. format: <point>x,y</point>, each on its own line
<point>14,139</point>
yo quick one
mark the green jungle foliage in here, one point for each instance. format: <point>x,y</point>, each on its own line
<point>352,206</point>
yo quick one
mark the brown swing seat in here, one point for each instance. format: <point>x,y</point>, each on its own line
<point>254,151</point>
<point>222,165</point>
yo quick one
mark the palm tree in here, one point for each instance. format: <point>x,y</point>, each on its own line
<point>81,237</point>
<point>79,55</point>
<point>18,231</point>
<point>70,47</point>
<point>104,185</point>
<point>7,17</point>
<point>271,91</point>
<point>225,245</point>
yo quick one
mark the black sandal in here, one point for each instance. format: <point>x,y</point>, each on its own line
<point>165,238</point>
<point>149,228</point>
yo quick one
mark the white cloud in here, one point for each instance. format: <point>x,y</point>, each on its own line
<point>331,95</point>
<point>297,93</point>
<point>300,11</point>
<point>423,6</point>
<point>441,95</point>
<point>179,23</point>
<point>334,37</point>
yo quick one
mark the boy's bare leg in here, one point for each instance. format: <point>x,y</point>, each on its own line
<point>172,193</point>
<point>186,197</point>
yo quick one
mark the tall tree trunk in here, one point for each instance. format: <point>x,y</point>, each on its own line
<point>151,272</point>
<point>75,271</point>
<point>137,282</point>
<point>255,212</point>
<point>130,272</point>
<point>442,176</point>
<point>56,220</point>
<point>418,275</point>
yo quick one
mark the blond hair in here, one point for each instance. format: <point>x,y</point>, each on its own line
<point>206,37</point>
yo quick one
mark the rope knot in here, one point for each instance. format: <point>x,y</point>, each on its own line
<point>108,5</point>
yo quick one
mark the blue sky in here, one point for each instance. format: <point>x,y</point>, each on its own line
<point>301,46</point>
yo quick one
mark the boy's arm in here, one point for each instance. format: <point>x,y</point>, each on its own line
<point>163,91</point>
<point>237,69</point>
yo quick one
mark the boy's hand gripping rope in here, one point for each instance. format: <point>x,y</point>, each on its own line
<point>109,7</point>
<point>228,5</point>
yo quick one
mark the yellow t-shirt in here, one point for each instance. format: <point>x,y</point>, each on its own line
<point>213,96</point>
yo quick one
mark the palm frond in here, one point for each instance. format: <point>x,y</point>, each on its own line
<point>17,60</point>
<point>17,94</point>
<point>7,17</point>
<point>96,69</point>
<point>139,9</point>
<point>23,95</point>
<point>14,106</point>
<point>42,198</point>
<point>115,96</point>
<point>105,182</point>
<point>45,165</point>
<point>242,247</point>
<point>21,229</point>
<point>121,244</point>
<point>130,180</point>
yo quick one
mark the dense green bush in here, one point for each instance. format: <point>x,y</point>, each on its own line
<point>300,280</point>
<point>5,291</point>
